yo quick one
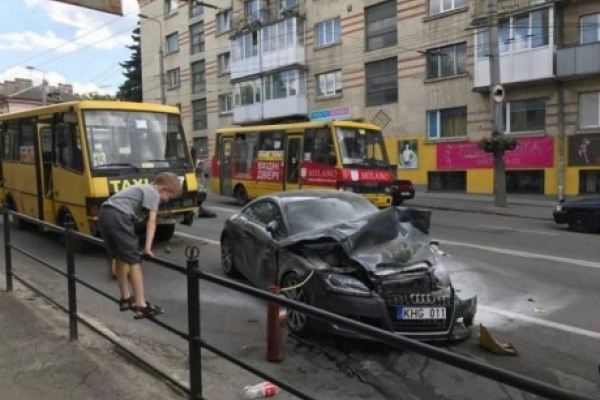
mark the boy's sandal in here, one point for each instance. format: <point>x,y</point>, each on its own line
<point>127,304</point>
<point>150,310</point>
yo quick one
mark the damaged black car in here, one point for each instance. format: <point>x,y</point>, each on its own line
<point>336,251</point>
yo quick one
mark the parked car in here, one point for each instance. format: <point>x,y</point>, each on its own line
<point>402,189</point>
<point>581,215</point>
<point>376,266</point>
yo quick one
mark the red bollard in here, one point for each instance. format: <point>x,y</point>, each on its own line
<point>276,329</point>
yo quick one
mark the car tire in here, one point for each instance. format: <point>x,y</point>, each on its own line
<point>227,263</point>
<point>298,323</point>
<point>581,221</point>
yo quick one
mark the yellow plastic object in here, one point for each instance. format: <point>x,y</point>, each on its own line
<point>487,341</point>
<point>113,268</point>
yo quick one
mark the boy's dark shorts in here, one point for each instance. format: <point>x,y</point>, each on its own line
<point>119,236</point>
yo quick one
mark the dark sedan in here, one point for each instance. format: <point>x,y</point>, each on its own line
<point>581,215</point>
<point>344,255</point>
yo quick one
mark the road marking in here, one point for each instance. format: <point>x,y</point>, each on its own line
<point>572,261</point>
<point>480,307</point>
<point>541,322</point>
<point>201,239</point>
<point>224,209</point>
<point>518,230</point>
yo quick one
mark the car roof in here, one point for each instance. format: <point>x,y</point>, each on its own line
<point>311,194</point>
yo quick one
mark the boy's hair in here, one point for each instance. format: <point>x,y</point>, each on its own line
<point>170,181</point>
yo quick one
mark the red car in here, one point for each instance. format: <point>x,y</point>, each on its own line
<point>402,189</point>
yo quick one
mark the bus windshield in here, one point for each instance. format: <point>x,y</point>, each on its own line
<point>135,139</point>
<point>361,148</point>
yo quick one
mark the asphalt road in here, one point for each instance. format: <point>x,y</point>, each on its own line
<point>536,284</point>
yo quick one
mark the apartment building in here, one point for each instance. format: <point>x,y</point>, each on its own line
<point>417,68</point>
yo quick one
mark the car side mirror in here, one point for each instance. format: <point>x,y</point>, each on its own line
<point>273,227</point>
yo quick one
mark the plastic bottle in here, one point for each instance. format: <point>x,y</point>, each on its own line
<point>264,389</point>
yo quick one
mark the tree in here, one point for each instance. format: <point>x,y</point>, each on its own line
<point>131,89</point>
<point>96,96</point>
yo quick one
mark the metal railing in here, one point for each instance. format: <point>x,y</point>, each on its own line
<point>194,338</point>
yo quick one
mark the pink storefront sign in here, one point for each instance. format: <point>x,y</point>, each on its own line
<point>530,153</point>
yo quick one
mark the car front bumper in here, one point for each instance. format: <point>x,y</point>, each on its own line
<point>376,312</point>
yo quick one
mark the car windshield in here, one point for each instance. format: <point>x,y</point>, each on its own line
<point>361,147</point>
<point>135,139</point>
<point>315,213</point>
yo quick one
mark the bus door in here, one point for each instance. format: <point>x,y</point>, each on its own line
<point>226,166</point>
<point>293,155</point>
<point>70,184</point>
<point>44,171</point>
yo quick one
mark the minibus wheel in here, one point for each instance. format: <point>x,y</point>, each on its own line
<point>241,195</point>
<point>164,232</point>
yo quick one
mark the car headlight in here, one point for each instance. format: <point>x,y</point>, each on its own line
<point>346,284</point>
<point>558,208</point>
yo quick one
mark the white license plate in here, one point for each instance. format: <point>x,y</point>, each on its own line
<point>558,208</point>
<point>405,193</point>
<point>412,313</point>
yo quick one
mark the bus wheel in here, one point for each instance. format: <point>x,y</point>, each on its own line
<point>16,221</point>
<point>164,232</point>
<point>241,195</point>
<point>79,245</point>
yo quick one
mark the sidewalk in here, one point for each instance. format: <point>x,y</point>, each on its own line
<point>37,360</point>
<point>523,206</point>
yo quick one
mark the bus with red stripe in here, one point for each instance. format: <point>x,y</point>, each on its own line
<point>252,161</point>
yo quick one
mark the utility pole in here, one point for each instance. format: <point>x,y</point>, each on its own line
<point>161,58</point>
<point>496,107</point>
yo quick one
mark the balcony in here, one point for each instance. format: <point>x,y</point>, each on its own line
<point>481,7</point>
<point>274,46</point>
<point>271,109</point>
<point>528,65</point>
<point>577,61</point>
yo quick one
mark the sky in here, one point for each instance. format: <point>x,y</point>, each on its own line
<point>65,44</point>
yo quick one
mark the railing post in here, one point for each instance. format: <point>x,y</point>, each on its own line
<point>71,283</point>
<point>7,249</point>
<point>195,341</point>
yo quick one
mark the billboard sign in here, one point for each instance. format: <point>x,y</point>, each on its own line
<point>108,6</point>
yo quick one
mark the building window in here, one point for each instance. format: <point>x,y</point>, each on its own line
<point>197,38</point>
<point>171,6</point>
<point>199,114</point>
<point>279,36</point>
<point>589,181</point>
<point>254,9</point>
<point>590,29</point>
<point>201,146</point>
<point>524,115</point>
<point>247,93</point>
<point>329,32</point>
<point>455,181</point>
<point>589,110</point>
<point>224,62</point>
<point>329,84</point>
<point>173,78</point>
<point>224,21</point>
<point>447,61</point>
<point>246,46</point>
<point>448,122</point>
<point>225,103</point>
<point>285,5</point>
<point>198,77</point>
<point>173,42</point>
<point>527,181</point>
<point>443,6</point>
<point>382,81</point>
<point>196,9</point>
<point>381,29</point>
<point>284,84</point>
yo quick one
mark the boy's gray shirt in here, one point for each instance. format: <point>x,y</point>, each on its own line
<point>134,199</point>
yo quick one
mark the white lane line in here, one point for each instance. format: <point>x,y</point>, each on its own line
<point>224,209</point>
<point>539,321</point>
<point>572,261</point>
<point>480,307</point>
<point>198,238</point>
<point>502,228</point>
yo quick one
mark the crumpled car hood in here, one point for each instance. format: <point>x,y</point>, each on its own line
<point>394,237</point>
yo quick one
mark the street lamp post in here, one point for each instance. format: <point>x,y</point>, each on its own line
<point>44,84</point>
<point>163,94</point>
